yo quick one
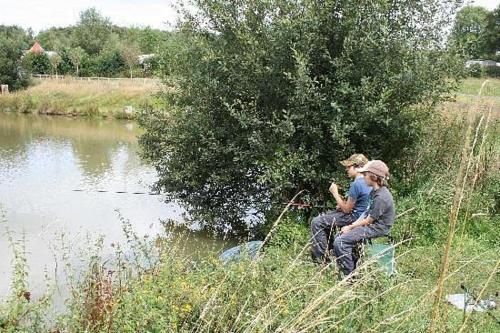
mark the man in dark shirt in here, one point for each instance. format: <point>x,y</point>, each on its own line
<point>377,222</point>
<point>347,210</point>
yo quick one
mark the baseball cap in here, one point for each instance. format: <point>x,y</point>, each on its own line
<point>355,159</point>
<point>377,167</point>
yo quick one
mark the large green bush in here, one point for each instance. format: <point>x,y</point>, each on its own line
<point>13,40</point>
<point>66,66</point>
<point>267,97</point>
<point>109,63</point>
<point>36,63</point>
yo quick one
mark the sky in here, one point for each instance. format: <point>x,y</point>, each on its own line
<point>43,14</point>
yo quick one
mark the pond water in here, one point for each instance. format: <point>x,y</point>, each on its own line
<point>43,160</point>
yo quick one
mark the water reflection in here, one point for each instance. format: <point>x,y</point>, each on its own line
<point>43,159</point>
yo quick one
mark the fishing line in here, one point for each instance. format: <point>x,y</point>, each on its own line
<point>118,192</point>
<point>299,205</point>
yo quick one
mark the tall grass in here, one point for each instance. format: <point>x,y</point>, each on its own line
<point>18,312</point>
<point>82,98</point>
<point>469,156</point>
<point>282,292</point>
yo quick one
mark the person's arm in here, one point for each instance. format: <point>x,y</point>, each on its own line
<point>359,223</point>
<point>344,206</point>
<point>378,208</point>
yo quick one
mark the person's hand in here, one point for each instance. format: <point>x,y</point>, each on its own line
<point>334,189</point>
<point>345,229</point>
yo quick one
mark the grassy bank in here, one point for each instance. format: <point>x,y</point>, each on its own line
<point>114,98</point>
<point>454,196</point>
<point>471,86</point>
<point>466,97</point>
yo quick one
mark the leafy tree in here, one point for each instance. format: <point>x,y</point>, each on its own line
<point>55,60</point>
<point>110,62</point>
<point>92,31</point>
<point>268,96</point>
<point>493,32</point>
<point>66,66</point>
<point>165,59</point>
<point>57,39</point>
<point>13,40</point>
<point>130,54</point>
<point>151,40</point>
<point>17,34</point>
<point>469,31</point>
<point>76,56</point>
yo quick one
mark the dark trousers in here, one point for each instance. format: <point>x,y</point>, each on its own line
<point>344,244</point>
<point>322,230</point>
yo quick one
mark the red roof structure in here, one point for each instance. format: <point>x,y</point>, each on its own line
<point>37,48</point>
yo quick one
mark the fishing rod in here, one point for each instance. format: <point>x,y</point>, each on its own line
<point>118,192</point>
<point>299,204</point>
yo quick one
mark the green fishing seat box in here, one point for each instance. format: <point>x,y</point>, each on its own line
<point>382,250</point>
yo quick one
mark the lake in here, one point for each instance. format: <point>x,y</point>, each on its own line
<point>52,170</point>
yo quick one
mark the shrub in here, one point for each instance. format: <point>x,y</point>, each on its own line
<point>492,71</point>
<point>110,63</point>
<point>475,70</point>
<point>66,66</point>
<point>36,63</point>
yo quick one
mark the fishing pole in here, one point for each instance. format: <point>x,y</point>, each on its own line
<point>118,192</point>
<point>299,205</point>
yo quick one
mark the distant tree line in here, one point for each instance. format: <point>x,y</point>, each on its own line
<point>476,35</point>
<point>94,46</point>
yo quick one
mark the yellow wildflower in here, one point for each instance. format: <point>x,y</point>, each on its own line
<point>186,308</point>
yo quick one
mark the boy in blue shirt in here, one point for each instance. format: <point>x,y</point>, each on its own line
<point>347,211</point>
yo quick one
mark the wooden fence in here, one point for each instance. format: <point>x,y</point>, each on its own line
<point>96,78</point>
